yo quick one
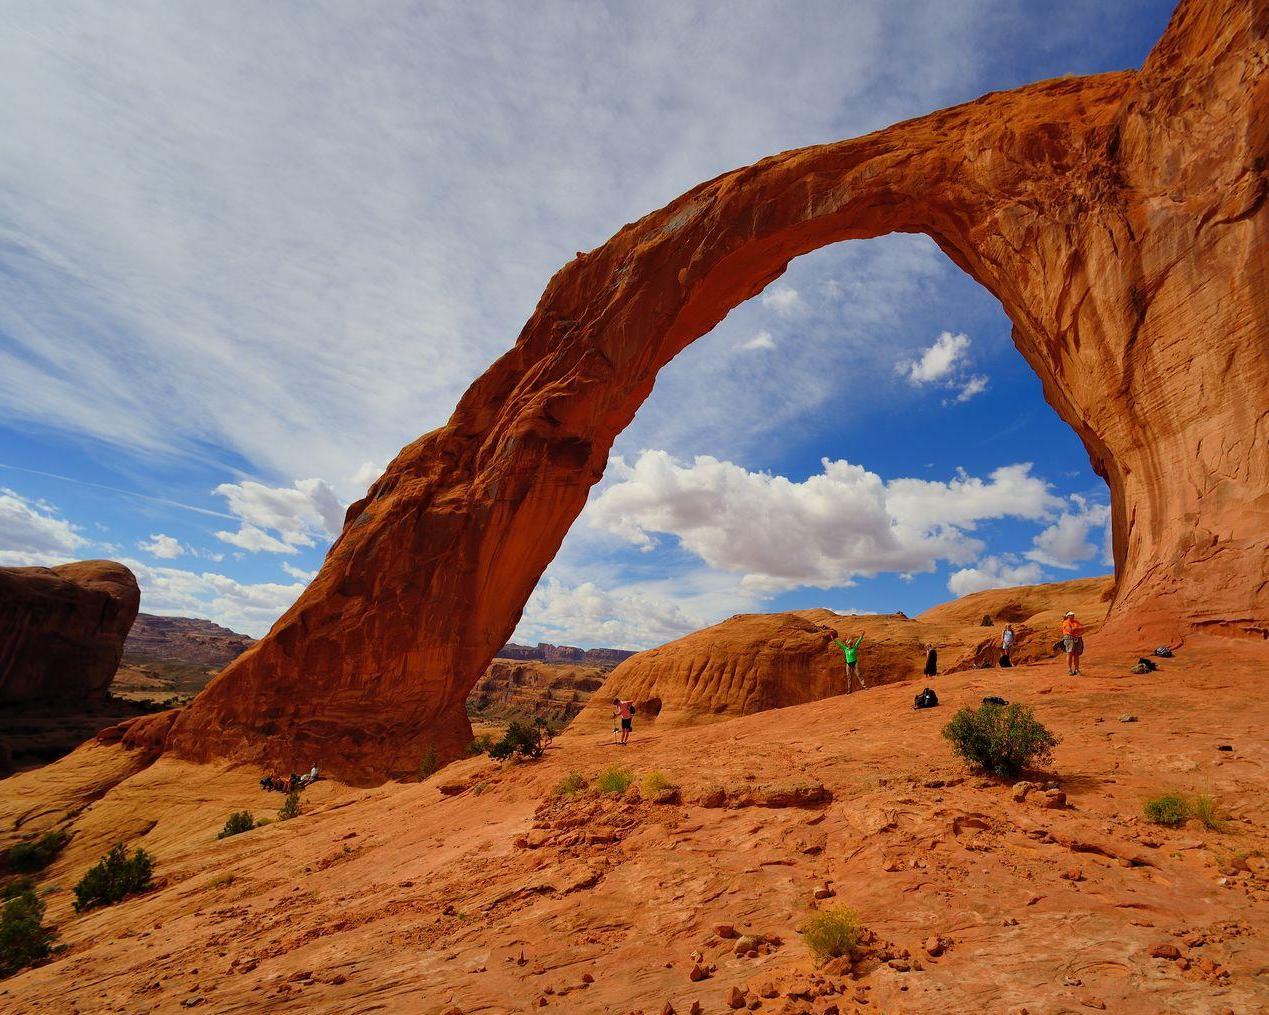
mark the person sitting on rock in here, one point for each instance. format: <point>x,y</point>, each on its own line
<point>851,652</point>
<point>309,777</point>
<point>1073,642</point>
<point>624,710</point>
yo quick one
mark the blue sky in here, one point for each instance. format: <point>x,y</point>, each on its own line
<point>248,251</point>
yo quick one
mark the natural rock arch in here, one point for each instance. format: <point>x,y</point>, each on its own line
<point>1119,219</point>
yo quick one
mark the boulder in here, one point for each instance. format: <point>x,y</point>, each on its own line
<point>62,629</point>
<point>1118,218</point>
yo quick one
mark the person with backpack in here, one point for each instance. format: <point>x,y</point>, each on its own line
<point>1006,646</point>
<point>851,652</point>
<point>624,710</point>
<point>1072,642</point>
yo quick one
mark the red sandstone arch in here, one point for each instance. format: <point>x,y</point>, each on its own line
<point>1120,220</point>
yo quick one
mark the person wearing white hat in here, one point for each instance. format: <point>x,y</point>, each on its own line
<point>1073,642</point>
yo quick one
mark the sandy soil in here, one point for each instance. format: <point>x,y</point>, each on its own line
<point>478,891</point>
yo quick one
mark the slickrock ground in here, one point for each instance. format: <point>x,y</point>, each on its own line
<point>477,889</point>
<point>757,661</point>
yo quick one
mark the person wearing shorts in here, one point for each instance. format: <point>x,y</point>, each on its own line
<point>1073,642</point>
<point>624,711</point>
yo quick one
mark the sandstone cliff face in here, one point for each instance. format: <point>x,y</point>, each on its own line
<point>604,658</point>
<point>188,640</point>
<point>62,629</point>
<point>1121,221</point>
<point>520,689</point>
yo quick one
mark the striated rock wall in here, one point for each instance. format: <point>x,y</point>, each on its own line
<point>1119,218</point>
<point>604,658</point>
<point>62,629</point>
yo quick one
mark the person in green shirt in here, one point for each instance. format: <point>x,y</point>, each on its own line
<point>851,652</point>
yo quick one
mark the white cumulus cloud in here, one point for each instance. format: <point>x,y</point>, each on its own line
<point>33,534</point>
<point>163,546</point>
<point>844,523</point>
<point>946,364</point>
<point>762,340</point>
<point>782,299</point>
<point>994,572</point>
<point>1077,536</point>
<point>300,515</point>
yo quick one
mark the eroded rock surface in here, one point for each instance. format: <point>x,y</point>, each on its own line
<point>62,629</point>
<point>1119,218</point>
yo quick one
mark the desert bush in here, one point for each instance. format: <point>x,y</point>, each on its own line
<point>1166,809</point>
<point>113,877</point>
<point>520,739</point>
<point>1205,809</point>
<point>480,744</point>
<point>1002,740</point>
<point>291,806</point>
<point>237,823</point>
<point>572,783</point>
<point>831,933</point>
<point>16,886</point>
<point>36,854</point>
<point>653,783</point>
<point>24,940</point>
<point>614,779</point>
<point>430,763</point>
<point>221,881</point>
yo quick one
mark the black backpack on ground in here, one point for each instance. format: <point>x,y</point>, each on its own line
<point>1149,664</point>
<point>993,699</point>
<point>926,699</point>
<point>1163,652</point>
<point>1005,661</point>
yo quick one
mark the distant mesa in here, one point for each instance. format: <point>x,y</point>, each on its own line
<point>62,629</point>
<point>758,661</point>
<point>604,658</point>
<point>187,639</point>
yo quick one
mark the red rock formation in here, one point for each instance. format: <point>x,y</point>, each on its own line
<point>758,661</point>
<point>604,658</point>
<point>187,640</point>
<point>1120,219</point>
<point>62,629</point>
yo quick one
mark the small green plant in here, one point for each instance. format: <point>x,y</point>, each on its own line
<point>261,822</point>
<point>430,763</point>
<point>1000,739</point>
<point>1204,809</point>
<point>653,783</point>
<point>113,877</point>
<point>15,887</point>
<point>570,785</point>
<point>1168,809</point>
<point>36,854</point>
<point>291,807</point>
<point>520,739</point>
<point>221,881</point>
<point>480,744</point>
<point>238,822</point>
<point>614,779</point>
<point>831,933</point>
<point>24,939</point>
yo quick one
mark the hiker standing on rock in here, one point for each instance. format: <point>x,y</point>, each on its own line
<point>1073,642</point>
<point>931,660</point>
<point>624,710</point>
<point>1006,646</point>
<point>851,652</point>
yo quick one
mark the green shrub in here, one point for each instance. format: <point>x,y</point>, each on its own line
<point>36,854</point>
<point>614,779</point>
<point>221,881</point>
<point>291,807</point>
<point>24,940</point>
<point>1205,809</point>
<point>519,739</point>
<point>480,744</point>
<point>572,783</point>
<point>1168,809</point>
<point>113,877</point>
<point>16,886</point>
<point>238,822</point>
<point>430,763</point>
<point>1001,739</point>
<point>831,933</point>
<point>261,822</point>
<point>653,783</point>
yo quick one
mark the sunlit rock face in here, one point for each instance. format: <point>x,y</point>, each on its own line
<point>1120,219</point>
<point>62,630</point>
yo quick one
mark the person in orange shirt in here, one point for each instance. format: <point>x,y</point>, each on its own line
<point>1073,642</point>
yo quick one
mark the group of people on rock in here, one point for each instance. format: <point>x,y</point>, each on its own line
<point>1072,643</point>
<point>277,784</point>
